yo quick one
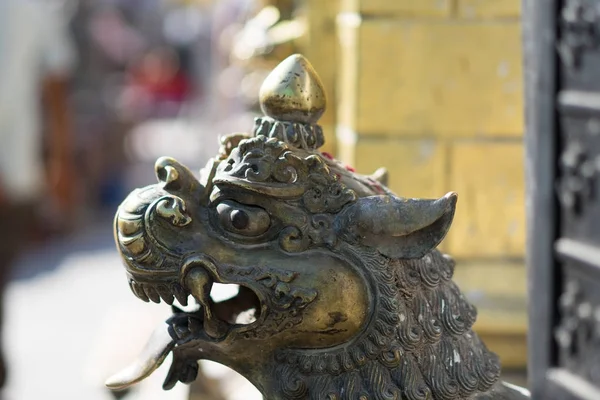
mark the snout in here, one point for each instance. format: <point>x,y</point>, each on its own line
<point>152,267</point>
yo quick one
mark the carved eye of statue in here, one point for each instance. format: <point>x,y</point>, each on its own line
<point>242,219</point>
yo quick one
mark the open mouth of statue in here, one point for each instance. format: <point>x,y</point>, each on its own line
<point>214,319</point>
<point>211,322</point>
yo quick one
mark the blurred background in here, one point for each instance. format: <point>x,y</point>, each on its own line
<point>93,91</point>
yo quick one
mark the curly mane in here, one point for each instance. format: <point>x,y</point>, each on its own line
<point>418,344</point>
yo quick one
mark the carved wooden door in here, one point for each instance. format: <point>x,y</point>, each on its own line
<point>562,78</point>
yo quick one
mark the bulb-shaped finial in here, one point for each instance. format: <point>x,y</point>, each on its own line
<point>293,92</point>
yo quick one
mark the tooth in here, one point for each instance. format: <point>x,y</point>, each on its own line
<point>181,330</point>
<point>200,284</point>
<point>165,294</point>
<point>180,294</point>
<point>131,283</point>
<point>138,290</point>
<point>152,294</point>
<point>214,327</point>
<point>194,325</point>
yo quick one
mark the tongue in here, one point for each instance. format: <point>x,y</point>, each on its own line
<point>153,355</point>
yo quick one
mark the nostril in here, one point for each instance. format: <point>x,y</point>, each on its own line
<point>174,210</point>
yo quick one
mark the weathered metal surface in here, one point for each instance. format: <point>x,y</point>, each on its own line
<point>342,292</point>
<point>562,41</point>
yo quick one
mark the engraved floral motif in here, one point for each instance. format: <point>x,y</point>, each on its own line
<point>579,30</point>
<point>578,333</point>
<point>303,136</point>
<point>268,160</point>
<point>286,301</point>
<point>578,178</point>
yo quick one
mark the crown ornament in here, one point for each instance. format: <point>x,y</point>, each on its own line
<point>293,99</point>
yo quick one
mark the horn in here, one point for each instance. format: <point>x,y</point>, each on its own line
<point>396,227</point>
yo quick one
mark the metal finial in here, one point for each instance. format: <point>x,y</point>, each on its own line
<point>293,99</point>
<point>293,92</point>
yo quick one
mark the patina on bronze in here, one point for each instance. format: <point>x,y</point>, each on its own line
<point>350,299</point>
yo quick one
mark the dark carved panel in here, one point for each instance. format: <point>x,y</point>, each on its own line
<point>579,33</point>
<point>578,44</point>
<point>578,333</point>
<point>562,42</point>
<point>578,173</point>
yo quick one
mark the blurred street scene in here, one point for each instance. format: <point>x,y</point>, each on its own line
<point>94,91</point>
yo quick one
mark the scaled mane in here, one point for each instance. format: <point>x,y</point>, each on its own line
<point>418,345</point>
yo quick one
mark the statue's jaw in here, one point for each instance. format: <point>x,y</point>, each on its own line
<point>165,340</point>
<point>212,323</point>
<point>196,277</point>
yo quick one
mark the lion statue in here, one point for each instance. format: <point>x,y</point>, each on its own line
<point>342,293</point>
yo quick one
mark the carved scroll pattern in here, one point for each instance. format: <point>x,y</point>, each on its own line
<point>578,333</point>
<point>286,300</point>
<point>578,175</point>
<point>579,27</point>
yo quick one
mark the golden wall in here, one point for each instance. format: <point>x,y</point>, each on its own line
<point>432,90</point>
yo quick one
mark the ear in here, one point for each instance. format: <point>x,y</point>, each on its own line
<point>396,227</point>
<point>174,176</point>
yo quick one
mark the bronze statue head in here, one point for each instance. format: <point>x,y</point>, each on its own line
<point>343,294</point>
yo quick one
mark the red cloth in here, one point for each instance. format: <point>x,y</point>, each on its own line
<point>175,89</point>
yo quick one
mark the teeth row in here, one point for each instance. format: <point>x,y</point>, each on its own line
<point>154,292</point>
